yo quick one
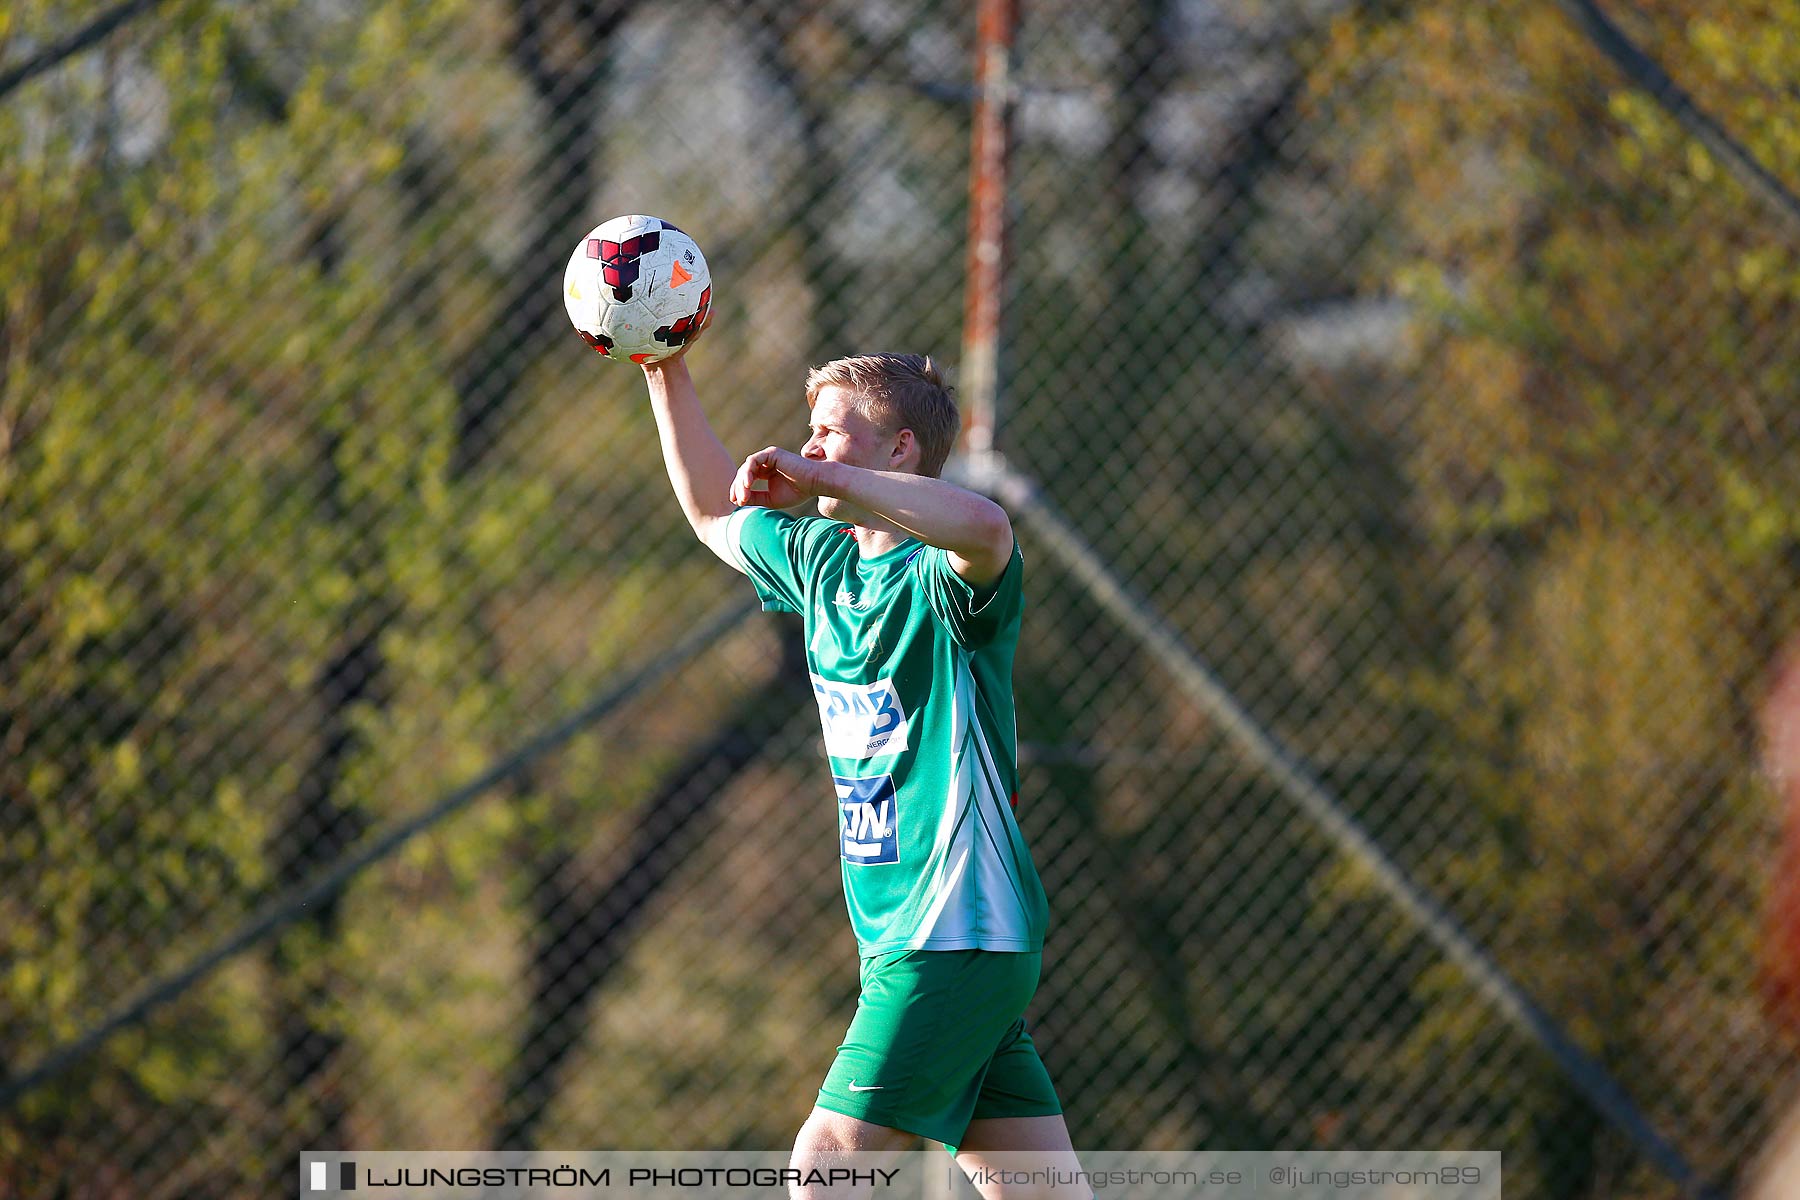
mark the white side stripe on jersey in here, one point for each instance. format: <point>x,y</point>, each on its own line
<point>976,832</point>
<point>994,811</point>
<point>951,853</point>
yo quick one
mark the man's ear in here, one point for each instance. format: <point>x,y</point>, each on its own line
<point>904,456</point>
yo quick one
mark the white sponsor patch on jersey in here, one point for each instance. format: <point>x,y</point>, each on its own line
<point>862,720</point>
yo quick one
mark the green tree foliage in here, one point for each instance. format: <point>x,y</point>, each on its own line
<point>223,438</point>
<point>1598,454</point>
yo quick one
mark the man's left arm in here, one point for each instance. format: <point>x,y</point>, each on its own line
<point>975,533</point>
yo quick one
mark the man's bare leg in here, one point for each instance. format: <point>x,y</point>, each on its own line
<point>1020,1144</point>
<point>832,1139</point>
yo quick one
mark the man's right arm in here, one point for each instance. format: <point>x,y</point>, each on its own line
<point>700,468</point>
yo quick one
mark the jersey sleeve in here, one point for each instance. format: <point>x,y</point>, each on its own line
<point>974,616</point>
<point>774,549</point>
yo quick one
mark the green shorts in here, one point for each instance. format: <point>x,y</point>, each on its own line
<point>939,1040</point>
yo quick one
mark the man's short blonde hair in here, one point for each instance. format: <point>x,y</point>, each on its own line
<point>897,391</point>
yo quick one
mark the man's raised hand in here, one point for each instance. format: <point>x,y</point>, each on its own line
<point>775,478</point>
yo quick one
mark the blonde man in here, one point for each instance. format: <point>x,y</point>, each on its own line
<point>911,592</point>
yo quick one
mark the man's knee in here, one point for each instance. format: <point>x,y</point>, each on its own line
<point>827,1132</point>
<point>829,1140</point>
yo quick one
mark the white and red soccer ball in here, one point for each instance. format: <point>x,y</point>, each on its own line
<point>637,288</point>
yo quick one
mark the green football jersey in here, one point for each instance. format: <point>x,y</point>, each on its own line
<point>912,669</point>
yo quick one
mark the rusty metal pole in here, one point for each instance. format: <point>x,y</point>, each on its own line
<point>996,22</point>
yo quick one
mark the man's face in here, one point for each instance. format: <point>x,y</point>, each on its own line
<point>842,434</point>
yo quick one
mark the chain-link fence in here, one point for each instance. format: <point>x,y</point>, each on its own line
<point>1408,380</point>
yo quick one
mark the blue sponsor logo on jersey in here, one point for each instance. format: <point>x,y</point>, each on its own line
<point>869,824</point>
